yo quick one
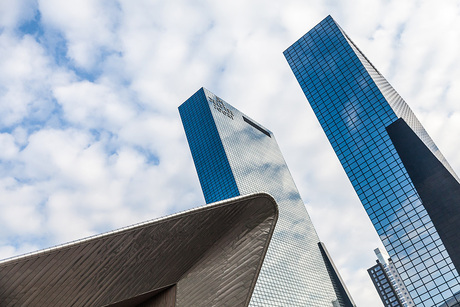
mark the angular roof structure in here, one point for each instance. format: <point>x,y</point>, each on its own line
<point>209,256</point>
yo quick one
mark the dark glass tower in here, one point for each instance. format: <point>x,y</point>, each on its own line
<point>408,189</point>
<point>234,156</point>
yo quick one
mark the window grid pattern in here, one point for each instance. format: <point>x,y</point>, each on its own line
<point>383,286</point>
<point>354,113</point>
<point>293,272</point>
<point>399,106</point>
<point>209,157</point>
<point>394,278</point>
<point>390,269</point>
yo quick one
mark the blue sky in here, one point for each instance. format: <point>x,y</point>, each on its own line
<point>90,135</point>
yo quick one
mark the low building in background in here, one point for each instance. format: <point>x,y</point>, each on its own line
<point>209,256</point>
<point>388,283</point>
<point>383,286</point>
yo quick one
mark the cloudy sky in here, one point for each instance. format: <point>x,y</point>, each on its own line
<point>90,135</point>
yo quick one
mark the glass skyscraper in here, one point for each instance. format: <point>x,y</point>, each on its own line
<point>408,189</point>
<point>234,156</point>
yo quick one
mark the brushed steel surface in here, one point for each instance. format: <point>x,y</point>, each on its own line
<point>213,254</point>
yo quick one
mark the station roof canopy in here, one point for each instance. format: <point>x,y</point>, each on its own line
<point>209,256</point>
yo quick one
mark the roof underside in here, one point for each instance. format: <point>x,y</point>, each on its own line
<point>224,242</point>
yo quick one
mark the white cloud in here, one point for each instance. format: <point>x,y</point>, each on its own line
<point>8,146</point>
<point>88,27</point>
<point>94,105</point>
<point>20,208</point>
<point>63,153</point>
<point>13,13</point>
<point>24,77</point>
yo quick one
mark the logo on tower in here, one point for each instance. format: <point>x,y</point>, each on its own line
<point>220,106</point>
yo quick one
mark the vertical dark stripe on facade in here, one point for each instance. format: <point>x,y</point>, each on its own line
<point>438,189</point>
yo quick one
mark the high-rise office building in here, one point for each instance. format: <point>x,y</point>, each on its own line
<point>408,189</point>
<point>384,287</point>
<point>388,283</point>
<point>234,156</point>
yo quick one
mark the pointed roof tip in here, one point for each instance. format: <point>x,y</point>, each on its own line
<point>326,20</point>
<point>329,17</point>
<point>202,89</point>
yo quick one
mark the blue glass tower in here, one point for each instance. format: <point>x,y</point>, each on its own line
<point>235,156</point>
<point>408,189</point>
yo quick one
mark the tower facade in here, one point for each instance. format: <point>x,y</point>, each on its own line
<point>408,189</point>
<point>234,156</point>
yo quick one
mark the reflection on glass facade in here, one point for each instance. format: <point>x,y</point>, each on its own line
<point>234,156</point>
<point>355,106</point>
